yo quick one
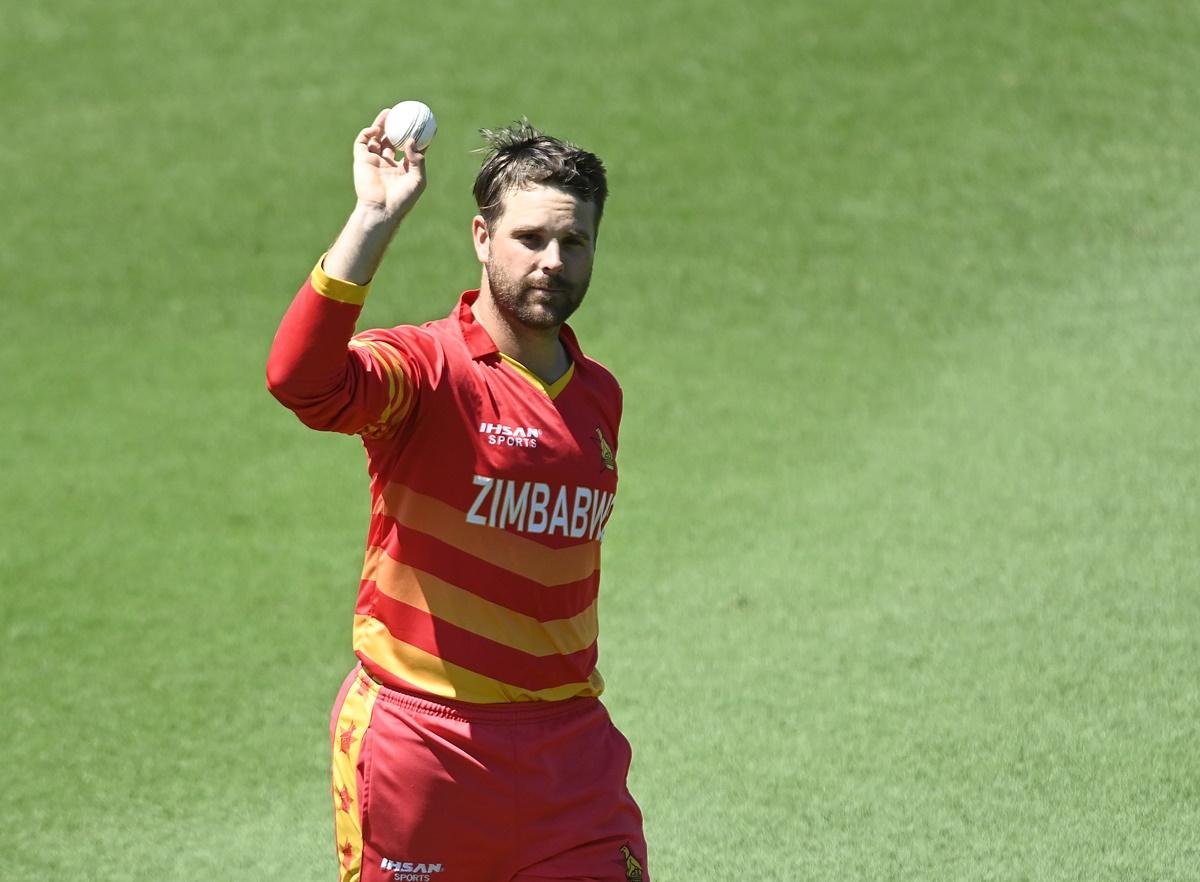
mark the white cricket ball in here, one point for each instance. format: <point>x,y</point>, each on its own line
<point>410,119</point>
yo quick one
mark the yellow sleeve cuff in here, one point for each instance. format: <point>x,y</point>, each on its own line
<point>337,289</point>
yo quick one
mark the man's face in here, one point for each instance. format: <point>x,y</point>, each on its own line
<point>538,255</point>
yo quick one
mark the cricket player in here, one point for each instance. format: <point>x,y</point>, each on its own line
<point>469,744</point>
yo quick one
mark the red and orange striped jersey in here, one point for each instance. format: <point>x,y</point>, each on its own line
<point>490,491</point>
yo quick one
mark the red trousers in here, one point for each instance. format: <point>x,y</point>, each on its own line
<point>434,791</point>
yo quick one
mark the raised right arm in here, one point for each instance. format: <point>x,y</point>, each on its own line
<point>313,369</point>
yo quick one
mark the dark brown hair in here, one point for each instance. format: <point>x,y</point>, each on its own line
<point>520,156</point>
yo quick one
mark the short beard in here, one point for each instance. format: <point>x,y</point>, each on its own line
<point>532,307</point>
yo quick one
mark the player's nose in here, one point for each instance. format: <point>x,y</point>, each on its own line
<point>551,257</point>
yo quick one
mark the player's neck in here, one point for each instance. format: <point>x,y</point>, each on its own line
<point>538,349</point>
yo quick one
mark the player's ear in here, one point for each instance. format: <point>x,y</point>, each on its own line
<point>481,238</point>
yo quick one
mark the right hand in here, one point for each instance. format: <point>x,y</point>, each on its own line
<point>384,180</point>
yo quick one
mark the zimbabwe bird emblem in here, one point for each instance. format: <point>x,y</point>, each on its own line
<point>606,454</point>
<point>633,869</point>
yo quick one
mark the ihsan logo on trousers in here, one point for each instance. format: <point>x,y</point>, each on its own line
<point>408,871</point>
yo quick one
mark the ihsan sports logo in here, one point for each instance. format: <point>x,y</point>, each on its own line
<point>499,435</point>
<point>410,871</point>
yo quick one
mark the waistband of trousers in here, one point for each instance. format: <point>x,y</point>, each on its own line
<point>471,712</point>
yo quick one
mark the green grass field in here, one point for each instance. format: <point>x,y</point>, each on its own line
<point>903,580</point>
